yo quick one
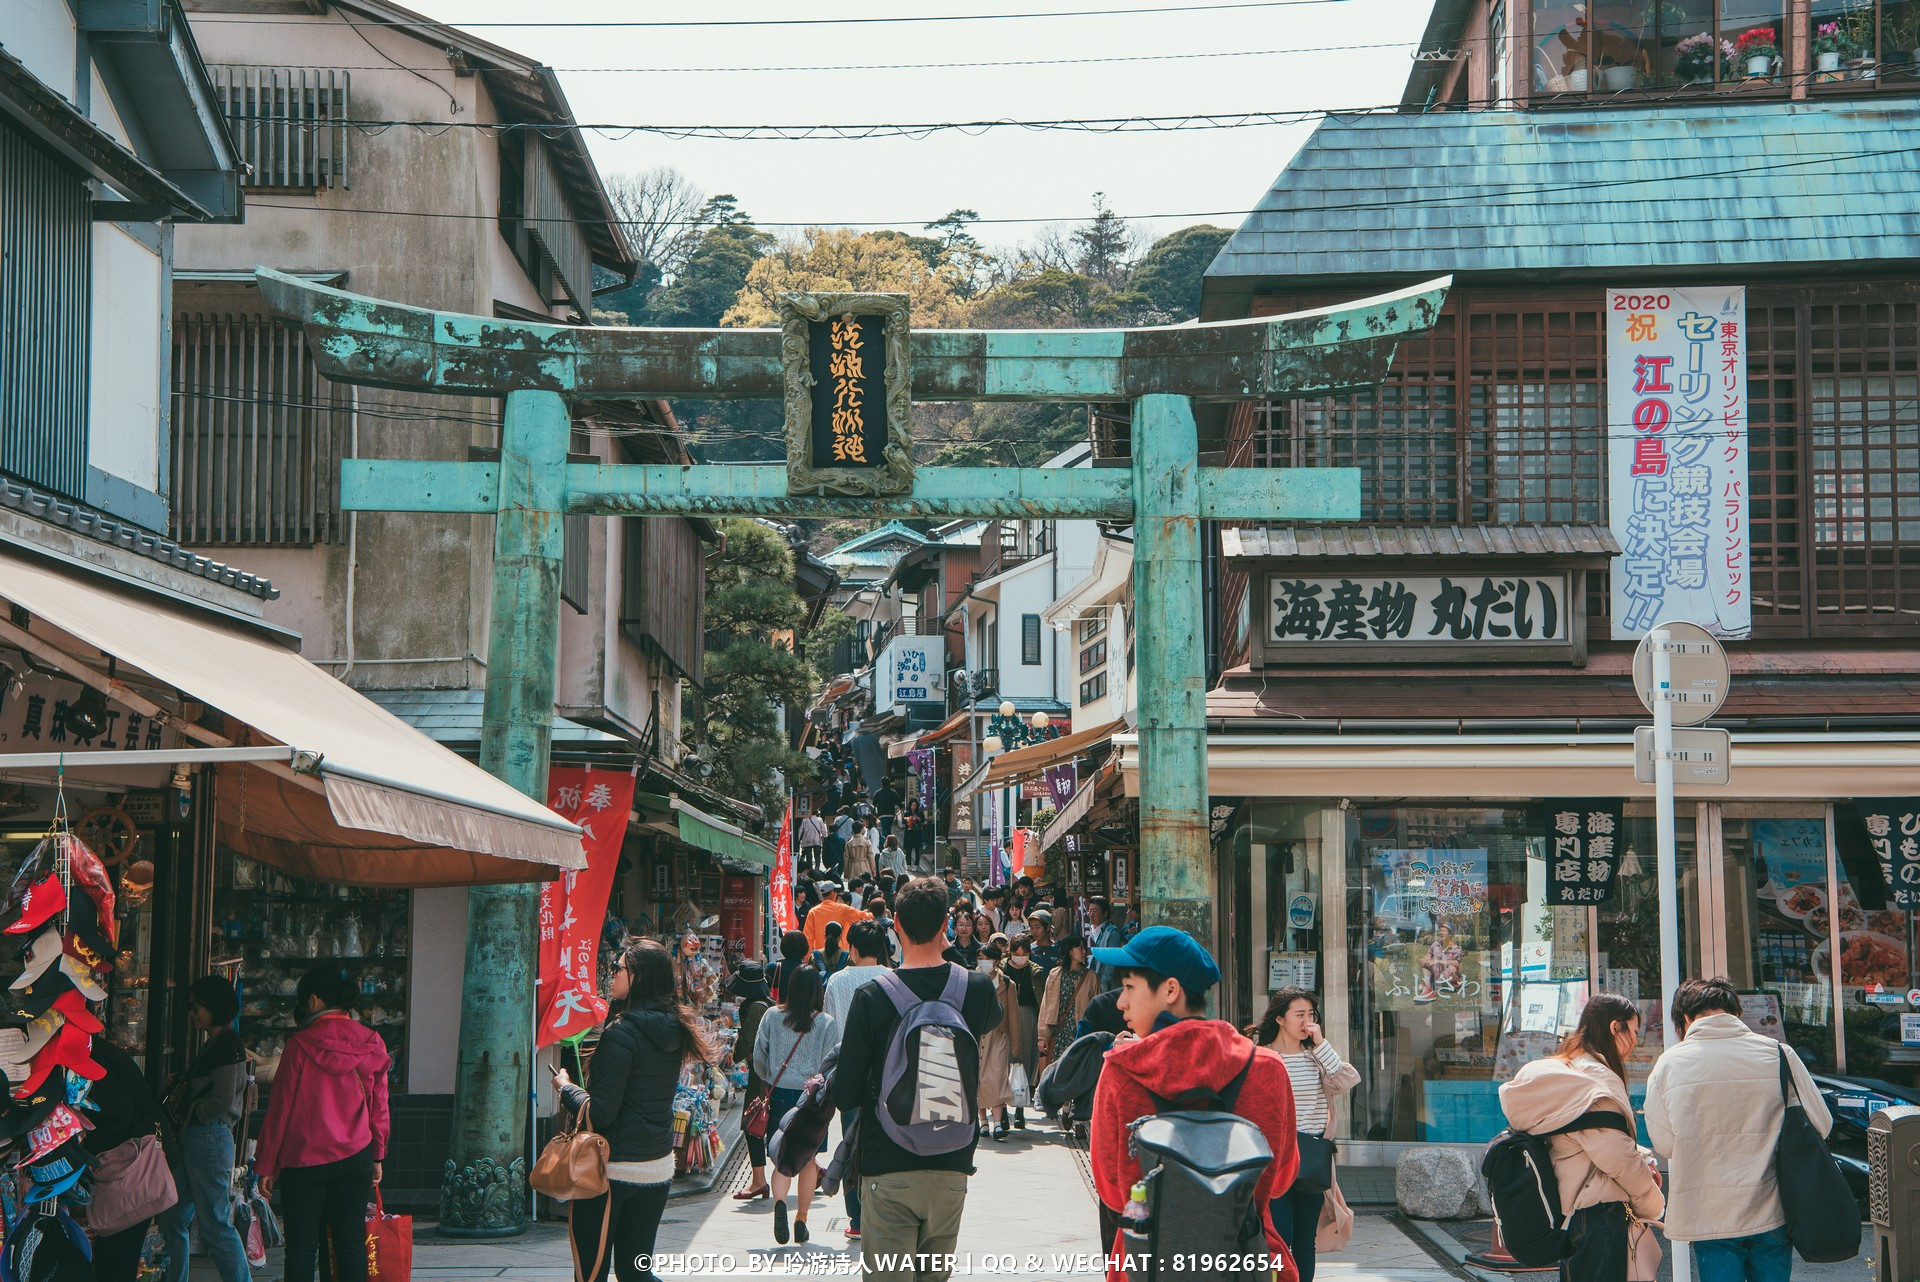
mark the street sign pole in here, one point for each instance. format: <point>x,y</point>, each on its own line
<point>1658,642</point>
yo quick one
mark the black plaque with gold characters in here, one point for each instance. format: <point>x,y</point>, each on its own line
<point>848,371</point>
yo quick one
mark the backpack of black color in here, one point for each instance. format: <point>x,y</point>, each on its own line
<point>931,1076</point>
<point>1526,1193</point>
<point>1202,1164</point>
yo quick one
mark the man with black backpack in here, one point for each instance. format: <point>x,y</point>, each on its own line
<point>1173,1059</point>
<point>910,1063</point>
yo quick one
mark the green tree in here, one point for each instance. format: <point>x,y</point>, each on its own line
<point>1105,246</point>
<point>716,268</point>
<point>1169,275</point>
<point>835,626</point>
<point>751,670</point>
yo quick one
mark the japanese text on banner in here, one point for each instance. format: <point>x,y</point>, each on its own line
<point>1585,840</point>
<point>1677,458</point>
<point>573,909</point>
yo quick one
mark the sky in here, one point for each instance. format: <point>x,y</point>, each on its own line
<point>1001,173</point>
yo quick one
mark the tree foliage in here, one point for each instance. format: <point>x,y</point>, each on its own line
<point>1169,275</point>
<point>750,669</point>
<point>838,260</point>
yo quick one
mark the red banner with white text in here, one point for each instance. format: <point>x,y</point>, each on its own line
<point>573,909</point>
<point>781,883</point>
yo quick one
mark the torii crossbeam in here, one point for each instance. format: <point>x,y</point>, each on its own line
<point>540,368</point>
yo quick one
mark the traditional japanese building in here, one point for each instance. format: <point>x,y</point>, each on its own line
<point>1678,377</point>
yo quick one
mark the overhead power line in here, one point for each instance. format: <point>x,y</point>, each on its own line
<point>782,22</point>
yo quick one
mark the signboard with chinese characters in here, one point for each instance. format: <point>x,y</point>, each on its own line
<point>1893,833</point>
<point>911,670</point>
<point>848,371</point>
<point>1437,612</point>
<point>573,908</point>
<point>1677,458</point>
<point>35,720</point>
<point>1583,838</point>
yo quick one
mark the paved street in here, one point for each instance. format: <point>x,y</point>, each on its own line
<point>1030,1201</point>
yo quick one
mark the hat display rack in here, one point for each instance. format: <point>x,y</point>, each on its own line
<point>61,904</point>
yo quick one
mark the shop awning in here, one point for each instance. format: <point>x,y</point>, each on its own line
<point>946,730</point>
<point>370,801</point>
<point>1023,763</point>
<point>718,837</point>
<point>1074,811</point>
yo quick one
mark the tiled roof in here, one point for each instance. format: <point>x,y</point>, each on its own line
<point>454,716</point>
<point>1586,539</point>
<point>1690,185</point>
<point>82,519</point>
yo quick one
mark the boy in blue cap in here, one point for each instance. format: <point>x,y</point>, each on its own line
<point>1171,1047</point>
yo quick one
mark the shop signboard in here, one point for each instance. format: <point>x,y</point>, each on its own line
<point>573,908</point>
<point>1122,886</point>
<point>1677,458</point>
<point>36,720</point>
<point>1488,610</point>
<point>780,883</point>
<point>1581,836</point>
<point>911,670</point>
<point>847,375</point>
<point>1061,784</point>
<point>736,911</point>
<point>1893,833</point>
<point>1431,947</point>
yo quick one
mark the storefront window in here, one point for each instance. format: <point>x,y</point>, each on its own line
<point>1776,871</point>
<point>1466,967</point>
<point>1627,941</point>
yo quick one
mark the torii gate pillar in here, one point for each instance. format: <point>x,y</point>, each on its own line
<point>541,368</point>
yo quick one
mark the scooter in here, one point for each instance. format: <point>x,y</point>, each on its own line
<point>1853,1101</point>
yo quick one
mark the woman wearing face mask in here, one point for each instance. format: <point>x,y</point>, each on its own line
<point>1028,985</point>
<point>628,1099</point>
<point>326,1129</point>
<point>1607,1181</point>
<point>1000,1047</point>
<point>965,948</point>
<point>205,1105</point>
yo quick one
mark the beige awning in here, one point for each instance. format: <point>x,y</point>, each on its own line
<point>1023,763</point>
<point>1072,813</point>
<point>371,800</point>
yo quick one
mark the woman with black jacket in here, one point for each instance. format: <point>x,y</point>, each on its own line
<point>204,1106</point>
<point>629,1100</point>
<point>125,1109</point>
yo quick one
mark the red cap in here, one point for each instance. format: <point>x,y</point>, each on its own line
<point>41,903</point>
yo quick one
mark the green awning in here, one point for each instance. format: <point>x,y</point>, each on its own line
<point>717,836</point>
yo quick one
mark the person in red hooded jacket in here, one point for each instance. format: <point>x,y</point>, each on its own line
<point>326,1129</point>
<point>1171,1047</point>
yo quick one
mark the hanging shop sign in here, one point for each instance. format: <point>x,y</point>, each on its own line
<point>848,374</point>
<point>37,720</point>
<point>1892,826</point>
<point>736,911</point>
<point>573,909</point>
<point>1677,458</point>
<point>911,671</point>
<point>1583,837</point>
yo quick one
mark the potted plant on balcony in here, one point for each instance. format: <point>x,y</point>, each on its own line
<point>1695,60</point>
<point>1828,48</point>
<point>1902,33</point>
<point>1757,50</point>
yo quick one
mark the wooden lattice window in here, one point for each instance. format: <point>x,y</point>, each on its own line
<point>1536,402</point>
<point>1774,466</point>
<point>1864,441</point>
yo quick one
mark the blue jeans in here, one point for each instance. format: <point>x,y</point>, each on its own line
<point>851,1185</point>
<point>1763,1257</point>
<point>204,1176</point>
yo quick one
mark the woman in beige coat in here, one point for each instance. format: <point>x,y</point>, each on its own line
<point>1606,1180</point>
<point>857,861</point>
<point>1070,986</point>
<point>1001,1046</point>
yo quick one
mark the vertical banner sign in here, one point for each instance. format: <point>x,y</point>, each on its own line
<point>996,840</point>
<point>780,884</point>
<point>1061,785</point>
<point>1583,836</point>
<point>1893,832</point>
<point>920,760</point>
<point>1677,459</point>
<point>736,912</point>
<point>1021,837</point>
<point>573,909</point>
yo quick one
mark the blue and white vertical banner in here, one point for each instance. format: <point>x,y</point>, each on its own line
<point>1677,459</point>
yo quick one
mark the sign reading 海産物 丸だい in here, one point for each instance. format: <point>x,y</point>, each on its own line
<point>1677,458</point>
<point>848,373</point>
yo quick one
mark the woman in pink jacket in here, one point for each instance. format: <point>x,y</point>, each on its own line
<point>1606,1180</point>
<point>326,1129</point>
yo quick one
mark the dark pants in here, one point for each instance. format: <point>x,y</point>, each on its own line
<point>1599,1236</point>
<point>757,1150</point>
<point>116,1257</point>
<point>633,1226</point>
<point>1296,1214</point>
<point>327,1201</point>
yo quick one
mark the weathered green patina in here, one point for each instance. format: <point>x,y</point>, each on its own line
<point>1166,494</point>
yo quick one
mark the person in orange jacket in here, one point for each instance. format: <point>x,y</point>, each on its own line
<point>830,908</point>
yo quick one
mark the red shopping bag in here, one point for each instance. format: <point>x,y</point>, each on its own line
<point>389,1245</point>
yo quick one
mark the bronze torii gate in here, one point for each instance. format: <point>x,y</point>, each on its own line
<point>846,365</point>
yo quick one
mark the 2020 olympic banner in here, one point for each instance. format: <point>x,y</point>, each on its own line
<point>1677,458</point>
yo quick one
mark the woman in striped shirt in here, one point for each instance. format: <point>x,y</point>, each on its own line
<point>1291,1027</point>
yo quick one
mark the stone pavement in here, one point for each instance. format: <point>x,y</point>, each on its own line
<point>1030,1200</point>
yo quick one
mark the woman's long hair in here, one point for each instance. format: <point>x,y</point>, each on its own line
<point>830,939</point>
<point>1594,1036</point>
<point>803,999</point>
<point>652,985</point>
<point>1267,1030</point>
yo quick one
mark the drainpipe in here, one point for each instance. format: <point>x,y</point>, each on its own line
<point>353,525</point>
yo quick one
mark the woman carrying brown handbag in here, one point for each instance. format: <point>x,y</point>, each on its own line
<point>629,1100</point>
